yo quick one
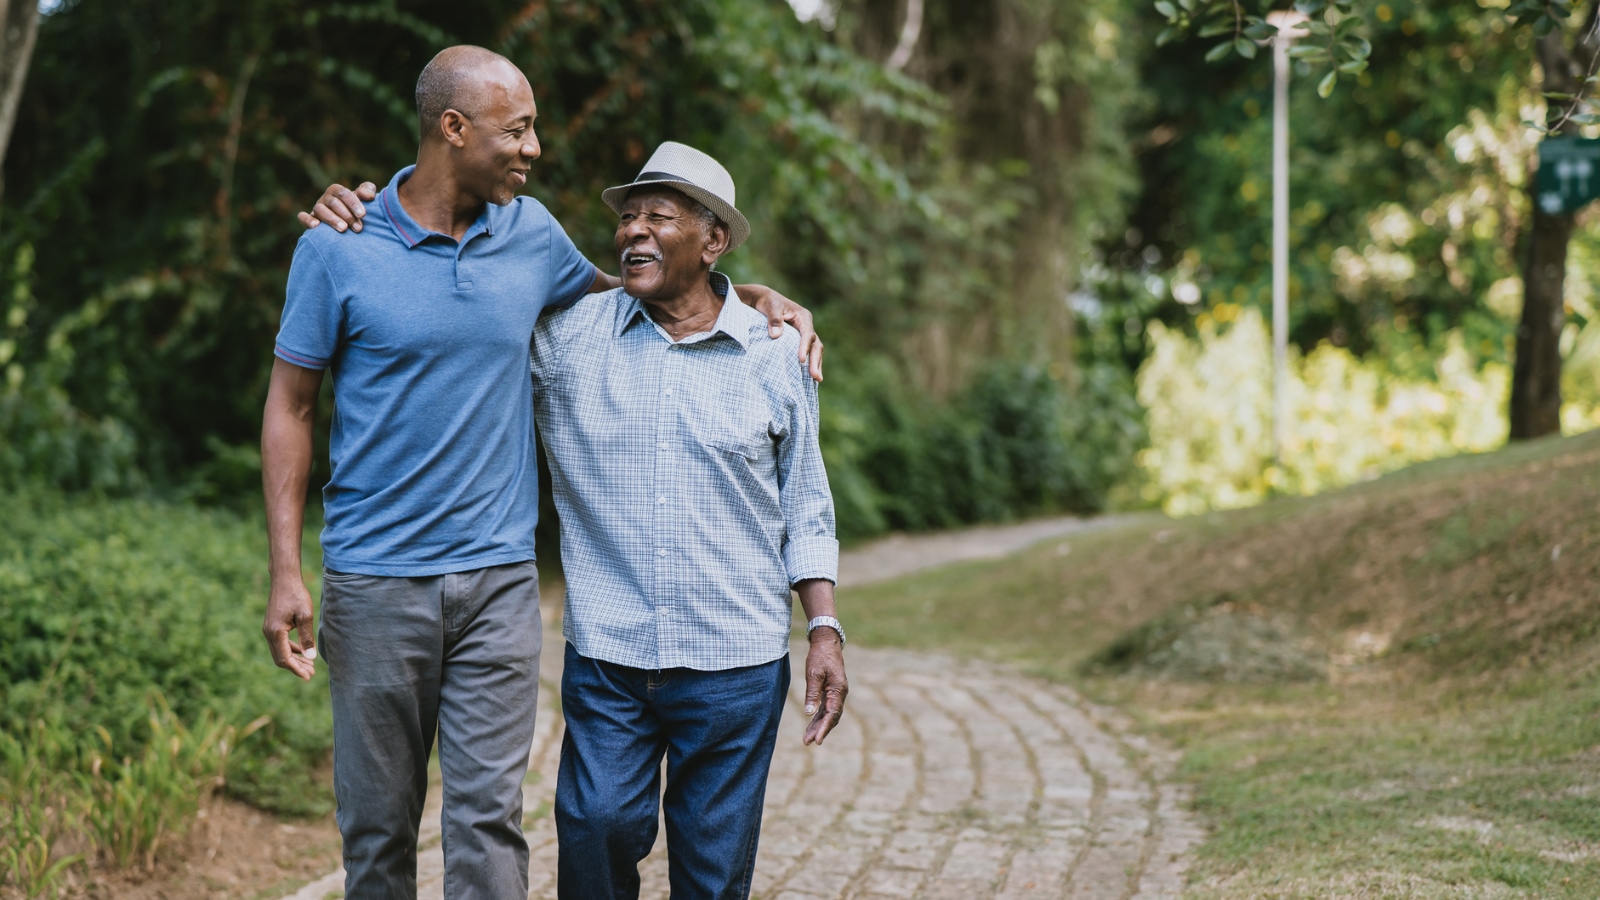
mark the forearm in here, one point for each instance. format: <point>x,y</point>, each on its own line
<point>285,478</point>
<point>751,295</point>
<point>603,282</point>
<point>811,545</point>
<point>816,597</point>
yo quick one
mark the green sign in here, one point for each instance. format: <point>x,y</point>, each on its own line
<point>1569,174</point>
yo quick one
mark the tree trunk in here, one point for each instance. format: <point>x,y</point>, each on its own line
<point>19,25</point>
<point>1536,377</point>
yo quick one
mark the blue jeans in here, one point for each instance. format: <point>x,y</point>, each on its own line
<point>716,730</point>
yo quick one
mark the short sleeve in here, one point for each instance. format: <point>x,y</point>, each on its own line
<point>570,273</point>
<point>309,332</point>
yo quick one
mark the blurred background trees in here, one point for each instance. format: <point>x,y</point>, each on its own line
<point>162,148</point>
<point>991,206</point>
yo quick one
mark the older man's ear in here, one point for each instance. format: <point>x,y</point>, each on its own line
<point>340,207</point>
<point>717,244</point>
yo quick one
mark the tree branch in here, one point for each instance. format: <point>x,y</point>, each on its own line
<point>1589,46</point>
<point>19,26</point>
<point>910,32</point>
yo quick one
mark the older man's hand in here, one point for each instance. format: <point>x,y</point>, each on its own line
<point>826,685</point>
<point>340,207</point>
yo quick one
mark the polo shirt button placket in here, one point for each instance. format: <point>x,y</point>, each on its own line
<point>463,272</point>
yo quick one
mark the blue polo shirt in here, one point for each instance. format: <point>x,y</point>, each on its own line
<point>427,341</point>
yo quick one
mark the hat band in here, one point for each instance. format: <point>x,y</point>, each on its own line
<point>662,176</point>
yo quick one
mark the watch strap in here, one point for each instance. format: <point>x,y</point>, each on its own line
<point>826,621</point>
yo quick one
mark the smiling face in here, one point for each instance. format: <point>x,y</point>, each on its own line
<point>498,144</point>
<point>666,251</point>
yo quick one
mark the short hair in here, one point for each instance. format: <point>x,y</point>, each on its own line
<point>447,82</point>
<point>702,213</point>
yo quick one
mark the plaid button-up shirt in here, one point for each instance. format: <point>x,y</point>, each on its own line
<point>689,482</point>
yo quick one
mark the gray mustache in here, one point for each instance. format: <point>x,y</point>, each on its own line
<point>653,254</point>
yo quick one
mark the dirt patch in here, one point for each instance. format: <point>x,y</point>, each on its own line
<point>232,851</point>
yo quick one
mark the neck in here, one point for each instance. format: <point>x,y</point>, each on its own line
<point>434,197</point>
<point>691,312</point>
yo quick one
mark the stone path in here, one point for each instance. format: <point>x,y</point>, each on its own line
<point>903,554</point>
<point>947,780</point>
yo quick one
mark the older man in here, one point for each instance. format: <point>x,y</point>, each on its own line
<point>683,448</point>
<point>430,606</point>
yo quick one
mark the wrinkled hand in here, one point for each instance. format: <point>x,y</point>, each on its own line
<point>780,309</point>
<point>289,609</point>
<point>340,207</point>
<point>826,685</point>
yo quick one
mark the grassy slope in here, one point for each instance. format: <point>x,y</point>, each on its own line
<point>1391,691</point>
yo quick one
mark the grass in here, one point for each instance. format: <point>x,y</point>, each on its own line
<point>1389,691</point>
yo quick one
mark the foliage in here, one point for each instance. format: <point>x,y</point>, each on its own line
<point>59,789</point>
<point>1333,30</point>
<point>38,807</point>
<point>1406,190</point>
<point>44,439</point>
<point>880,200</point>
<point>1333,33</point>
<point>106,604</point>
<point>1015,442</point>
<point>1210,416</point>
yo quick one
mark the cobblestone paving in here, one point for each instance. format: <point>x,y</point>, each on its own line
<point>947,781</point>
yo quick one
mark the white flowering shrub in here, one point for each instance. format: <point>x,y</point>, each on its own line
<point>1209,407</point>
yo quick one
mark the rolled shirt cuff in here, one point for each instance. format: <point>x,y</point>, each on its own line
<point>811,557</point>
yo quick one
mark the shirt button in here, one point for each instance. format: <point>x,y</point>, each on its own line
<point>661,553</point>
<point>661,610</point>
<point>669,392</point>
<point>661,499</point>
<point>662,445</point>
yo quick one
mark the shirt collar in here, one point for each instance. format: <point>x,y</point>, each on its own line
<point>736,320</point>
<point>408,229</point>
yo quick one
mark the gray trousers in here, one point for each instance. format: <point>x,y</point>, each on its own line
<point>454,654</point>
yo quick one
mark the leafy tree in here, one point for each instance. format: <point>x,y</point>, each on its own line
<point>1341,45</point>
<point>1038,92</point>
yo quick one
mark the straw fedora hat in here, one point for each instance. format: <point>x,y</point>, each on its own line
<point>693,173</point>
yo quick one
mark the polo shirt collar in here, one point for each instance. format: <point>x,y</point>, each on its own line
<point>734,320</point>
<point>408,229</point>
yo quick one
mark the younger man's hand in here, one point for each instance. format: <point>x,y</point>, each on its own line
<point>340,207</point>
<point>289,609</point>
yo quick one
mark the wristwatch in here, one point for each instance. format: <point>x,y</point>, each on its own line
<point>825,622</point>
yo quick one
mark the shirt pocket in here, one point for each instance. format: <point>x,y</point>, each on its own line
<point>740,424</point>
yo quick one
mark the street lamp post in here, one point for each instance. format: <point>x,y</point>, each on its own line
<point>1290,26</point>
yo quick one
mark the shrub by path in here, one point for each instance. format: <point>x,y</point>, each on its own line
<point>947,779</point>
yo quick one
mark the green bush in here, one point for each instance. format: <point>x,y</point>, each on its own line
<point>110,609</point>
<point>1015,442</point>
